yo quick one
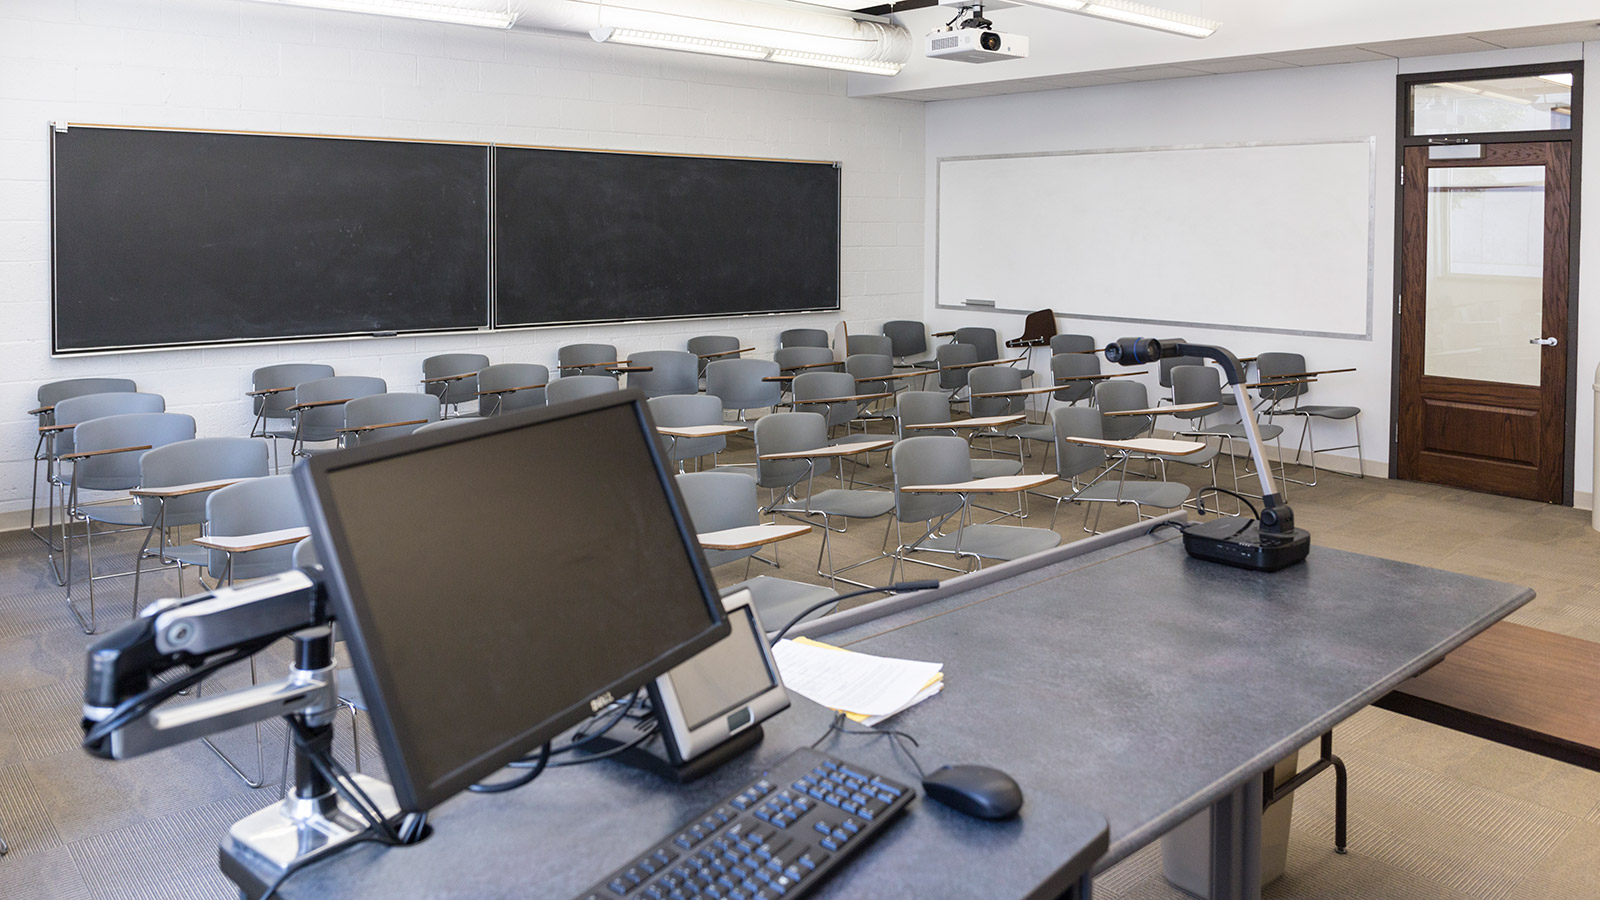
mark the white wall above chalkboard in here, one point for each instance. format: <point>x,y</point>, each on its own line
<point>1251,237</point>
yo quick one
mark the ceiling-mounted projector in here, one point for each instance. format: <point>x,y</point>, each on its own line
<point>970,37</point>
<point>976,45</point>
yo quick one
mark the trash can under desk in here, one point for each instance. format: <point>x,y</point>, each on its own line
<point>1186,850</point>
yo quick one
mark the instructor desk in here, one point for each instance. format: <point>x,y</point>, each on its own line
<point>1113,674</point>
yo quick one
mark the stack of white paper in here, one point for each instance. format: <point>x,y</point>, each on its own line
<point>866,688</point>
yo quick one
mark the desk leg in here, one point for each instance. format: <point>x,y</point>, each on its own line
<point>1236,844</point>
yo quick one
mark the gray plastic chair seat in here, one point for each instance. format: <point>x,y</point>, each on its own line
<point>1327,412</point>
<point>1002,542</point>
<point>850,504</point>
<point>777,600</point>
<point>1193,459</point>
<point>575,387</point>
<point>995,468</point>
<point>1161,494</point>
<point>1269,432</point>
<point>1033,432</point>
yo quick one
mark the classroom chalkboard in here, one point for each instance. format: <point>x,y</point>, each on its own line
<point>167,238</point>
<point>585,236</point>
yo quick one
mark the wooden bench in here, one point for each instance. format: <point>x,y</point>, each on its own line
<point>1524,687</point>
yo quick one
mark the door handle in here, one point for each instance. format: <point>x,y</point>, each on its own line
<point>1547,342</point>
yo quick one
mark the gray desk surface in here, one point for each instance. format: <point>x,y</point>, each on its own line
<point>1129,680</point>
<point>1147,685</point>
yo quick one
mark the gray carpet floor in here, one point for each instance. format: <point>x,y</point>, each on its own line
<point>1434,813</point>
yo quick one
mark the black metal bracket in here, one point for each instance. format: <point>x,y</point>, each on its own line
<point>1271,794</point>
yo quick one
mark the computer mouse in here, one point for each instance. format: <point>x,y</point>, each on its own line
<point>978,791</point>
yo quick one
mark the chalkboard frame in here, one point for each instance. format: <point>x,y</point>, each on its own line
<point>491,311</point>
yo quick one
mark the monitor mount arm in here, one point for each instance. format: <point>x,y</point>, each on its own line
<point>1276,516</point>
<point>122,717</point>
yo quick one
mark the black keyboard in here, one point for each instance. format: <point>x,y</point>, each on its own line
<point>777,837</point>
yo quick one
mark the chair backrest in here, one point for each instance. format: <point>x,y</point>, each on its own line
<point>575,387</point>
<point>1068,365</point>
<point>461,390</point>
<point>713,343</point>
<point>120,471</point>
<point>719,500</point>
<point>1073,343</point>
<point>322,423</point>
<point>922,408</point>
<point>689,409</point>
<point>877,344</point>
<point>787,357</point>
<point>1072,459</point>
<point>251,507</point>
<point>188,462</point>
<point>282,375</point>
<point>990,379</point>
<point>1272,365</point>
<point>443,423</point>
<point>932,459</point>
<point>821,386</point>
<point>1122,394</point>
<point>305,555</point>
<point>381,409</point>
<point>870,365</point>
<point>786,432</point>
<point>671,372</point>
<point>954,355</point>
<point>511,375</point>
<point>987,340</point>
<point>907,338</point>
<point>54,392</point>
<point>1196,384</point>
<point>1164,373</point>
<point>82,408</point>
<point>585,359</point>
<point>738,383</point>
<point>803,337</point>
<point>1039,326</point>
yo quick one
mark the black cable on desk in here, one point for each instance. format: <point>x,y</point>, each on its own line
<point>899,587</point>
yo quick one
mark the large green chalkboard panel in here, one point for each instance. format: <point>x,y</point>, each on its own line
<point>173,238</point>
<point>593,237</point>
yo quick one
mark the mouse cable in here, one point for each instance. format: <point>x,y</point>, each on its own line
<point>897,739</point>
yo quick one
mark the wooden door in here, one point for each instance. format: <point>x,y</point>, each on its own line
<point>1484,255</point>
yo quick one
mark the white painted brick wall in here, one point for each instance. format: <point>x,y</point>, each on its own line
<point>231,64</point>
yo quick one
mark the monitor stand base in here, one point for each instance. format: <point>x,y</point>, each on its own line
<point>263,845</point>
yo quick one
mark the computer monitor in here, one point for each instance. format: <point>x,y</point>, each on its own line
<point>499,582</point>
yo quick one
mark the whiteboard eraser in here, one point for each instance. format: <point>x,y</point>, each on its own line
<point>386,334</point>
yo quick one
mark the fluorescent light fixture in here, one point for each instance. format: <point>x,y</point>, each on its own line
<point>739,50</point>
<point>411,9</point>
<point>1131,13</point>
<point>679,42</point>
<point>845,63</point>
<point>1561,78</point>
<point>1150,17</point>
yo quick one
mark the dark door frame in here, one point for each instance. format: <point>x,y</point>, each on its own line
<point>1574,136</point>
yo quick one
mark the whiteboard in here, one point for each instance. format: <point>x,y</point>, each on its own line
<point>1260,237</point>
